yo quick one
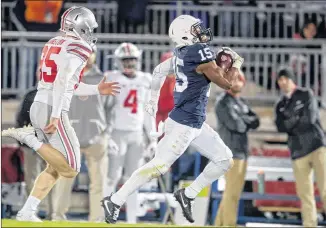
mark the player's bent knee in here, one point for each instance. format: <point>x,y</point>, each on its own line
<point>52,172</point>
<point>69,173</point>
<point>226,164</point>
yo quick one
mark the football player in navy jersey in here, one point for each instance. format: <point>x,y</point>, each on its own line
<point>195,68</point>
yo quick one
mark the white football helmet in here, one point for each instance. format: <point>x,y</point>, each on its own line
<point>79,22</point>
<point>127,58</point>
<point>187,30</point>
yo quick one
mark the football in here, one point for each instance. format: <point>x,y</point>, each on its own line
<point>224,60</point>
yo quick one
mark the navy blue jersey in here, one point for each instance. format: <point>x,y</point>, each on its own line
<point>191,89</point>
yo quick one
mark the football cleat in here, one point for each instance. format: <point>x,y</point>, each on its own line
<point>23,135</point>
<point>111,210</point>
<point>185,203</point>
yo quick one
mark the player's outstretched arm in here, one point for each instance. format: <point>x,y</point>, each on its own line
<point>103,88</point>
<point>214,73</point>
<point>160,72</point>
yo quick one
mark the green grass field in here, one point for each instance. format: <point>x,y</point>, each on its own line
<point>14,223</point>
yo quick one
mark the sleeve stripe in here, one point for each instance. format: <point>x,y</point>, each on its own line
<point>79,54</point>
<point>80,46</point>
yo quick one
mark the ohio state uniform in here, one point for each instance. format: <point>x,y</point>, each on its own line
<point>128,122</point>
<point>61,65</point>
<point>128,112</point>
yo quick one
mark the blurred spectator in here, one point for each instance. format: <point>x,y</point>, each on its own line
<point>32,161</point>
<point>235,119</point>
<point>297,115</point>
<point>166,102</point>
<point>303,65</point>
<point>88,118</point>
<point>308,31</point>
<point>39,15</point>
<point>131,12</point>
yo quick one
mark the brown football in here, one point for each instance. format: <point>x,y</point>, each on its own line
<point>224,60</point>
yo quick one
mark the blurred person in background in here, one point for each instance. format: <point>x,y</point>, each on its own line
<point>39,15</point>
<point>234,119</point>
<point>303,65</point>
<point>88,117</point>
<point>297,115</point>
<point>131,13</point>
<point>32,162</point>
<point>308,31</point>
<point>128,122</point>
<point>166,101</point>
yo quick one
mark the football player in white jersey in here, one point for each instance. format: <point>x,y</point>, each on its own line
<point>128,121</point>
<point>62,61</point>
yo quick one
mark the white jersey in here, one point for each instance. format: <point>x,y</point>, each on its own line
<point>128,108</point>
<point>62,62</point>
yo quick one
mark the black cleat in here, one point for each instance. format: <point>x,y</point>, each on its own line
<point>185,203</point>
<point>111,210</point>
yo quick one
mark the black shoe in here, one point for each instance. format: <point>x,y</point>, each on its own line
<point>185,203</point>
<point>111,210</point>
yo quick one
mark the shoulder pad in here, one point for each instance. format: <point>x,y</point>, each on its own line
<point>80,49</point>
<point>200,53</point>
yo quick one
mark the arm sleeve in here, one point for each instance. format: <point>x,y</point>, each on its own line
<point>159,74</point>
<point>254,120</point>
<point>149,121</point>
<point>86,90</point>
<point>230,118</point>
<point>279,120</point>
<point>67,68</point>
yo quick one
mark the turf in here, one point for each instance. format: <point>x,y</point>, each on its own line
<point>14,223</point>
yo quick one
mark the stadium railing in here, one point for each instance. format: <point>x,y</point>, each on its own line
<point>263,57</point>
<point>263,20</point>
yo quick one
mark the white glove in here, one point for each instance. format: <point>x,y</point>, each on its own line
<point>150,151</point>
<point>237,59</point>
<point>113,147</point>
<point>151,107</point>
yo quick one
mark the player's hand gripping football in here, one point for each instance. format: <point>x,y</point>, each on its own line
<point>108,88</point>
<point>234,72</point>
<point>52,126</point>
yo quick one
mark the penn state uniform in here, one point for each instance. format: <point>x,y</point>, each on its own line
<point>192,89</point>
<point>185,125</point>
<point>191,97</point>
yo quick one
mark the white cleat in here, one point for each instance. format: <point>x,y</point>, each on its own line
<point>20,134</point>
<point>27,217</point>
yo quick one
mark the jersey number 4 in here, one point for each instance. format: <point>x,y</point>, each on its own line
<point>48,67</point>
<point>131,101</point>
